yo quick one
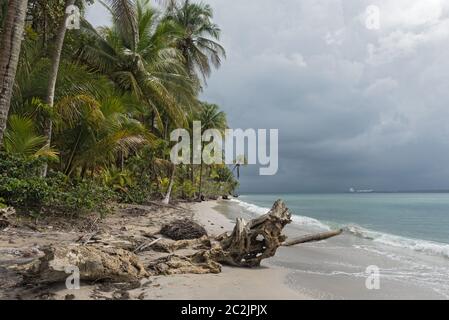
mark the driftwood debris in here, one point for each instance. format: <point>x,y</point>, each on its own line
<point>146,245</point>
<point>94,263</point>
<point>5,217</point>
<point>312,238</point>
<point>253,241</point>
<point>104,257</point>
<point>171,246</point>
<point>201,262</point>
<point>6,213</point>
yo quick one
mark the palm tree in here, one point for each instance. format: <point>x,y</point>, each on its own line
<point>151,69</point>
<point>211,118</point>
<point>22,139</point>
<point>10,44</point>
<point>124,18</point>
<point>53,76</point>
<point>170,185</point>
<point>93,131</point>
<point>198,42</point>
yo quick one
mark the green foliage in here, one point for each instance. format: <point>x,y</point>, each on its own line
<point>120,91</point>
<point>21,139</point>
<point>21,186</point>
<point>80,197</point>
<point>127,188</point>
<point>199,35</point>
<point>141,172</point>
<point>187,190</point>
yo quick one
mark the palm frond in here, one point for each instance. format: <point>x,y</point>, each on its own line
<point>21,139</point>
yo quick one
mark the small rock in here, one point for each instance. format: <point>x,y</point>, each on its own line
<point>69,297</point>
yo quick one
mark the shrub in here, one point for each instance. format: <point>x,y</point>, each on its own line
<point>22,187</point>
<point>81,197</point>
<point>20,184</point>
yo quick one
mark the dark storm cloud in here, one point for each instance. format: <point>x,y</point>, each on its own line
<point>355,107</point>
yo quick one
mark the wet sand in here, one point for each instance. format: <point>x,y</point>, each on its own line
<point>337,268</point>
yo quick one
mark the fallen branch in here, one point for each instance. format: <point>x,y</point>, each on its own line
<point>146,245</point>
<point>255,240</point>
<point>86,238</point>
<point>312,238</point>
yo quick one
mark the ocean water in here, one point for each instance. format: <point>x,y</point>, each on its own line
<point>419,221</point>
<point>405,235</point>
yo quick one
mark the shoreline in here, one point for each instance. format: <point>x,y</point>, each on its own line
<point>336,268</point>
<point>22,245</point>
<point>231,283</point>
<point>330,269</point>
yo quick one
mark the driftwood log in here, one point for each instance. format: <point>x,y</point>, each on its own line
<point>312,238</point>
<point>253,241</point>
<point>201,262</point>
<point>94,263</point>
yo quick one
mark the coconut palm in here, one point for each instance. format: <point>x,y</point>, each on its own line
<point>53,76</point>
<point>151,69</point>
<point>198,42</point>
<point>211,118</point>
<point>124,15</point>
<point>21,139</point>
<point>92,132</point>
<point>10,44</point>
<point>124,18</point>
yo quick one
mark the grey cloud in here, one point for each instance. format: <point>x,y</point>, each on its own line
<point>355,107</point>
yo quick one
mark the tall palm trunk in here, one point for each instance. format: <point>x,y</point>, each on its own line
<point>170,186</point>
<point>53,76</point>
<point>10,43</point>
<point>201,180</point>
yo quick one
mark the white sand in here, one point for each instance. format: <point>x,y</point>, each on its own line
<point>233,283</point>
<point>266,282</point>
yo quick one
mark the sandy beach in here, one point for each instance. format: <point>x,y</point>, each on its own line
<point>21,245</point>
<point>231,283</point>
<point>330,269</point>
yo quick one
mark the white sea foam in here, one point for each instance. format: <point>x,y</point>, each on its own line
<point>310,222</point>
<point>428,247</point>
<point>300,220</point>
<point>251,207</point>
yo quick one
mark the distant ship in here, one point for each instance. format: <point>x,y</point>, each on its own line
<point>352,190</point>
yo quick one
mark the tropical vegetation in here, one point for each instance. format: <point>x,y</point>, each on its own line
<point>86,114</point>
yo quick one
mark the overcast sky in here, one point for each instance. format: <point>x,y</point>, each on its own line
<point>355,107</point>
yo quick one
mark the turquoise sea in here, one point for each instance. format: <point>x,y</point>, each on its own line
<point>419,221</point>
<point>405,235</point>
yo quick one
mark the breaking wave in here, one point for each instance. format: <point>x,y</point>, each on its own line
<point>424,246</point>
